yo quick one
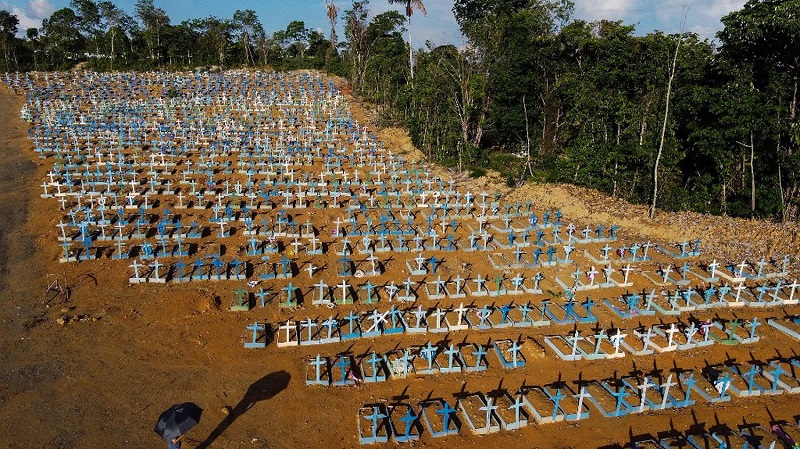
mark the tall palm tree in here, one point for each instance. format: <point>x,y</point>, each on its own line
<point>410,6</point>
<point>332,11</point>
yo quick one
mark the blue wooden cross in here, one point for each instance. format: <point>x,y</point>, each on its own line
<point>445,411</point>
<point>408,419</point>
<point>556,398</point>
<point>776,374</point>
<point>375,417</point>
<point>620,396</point>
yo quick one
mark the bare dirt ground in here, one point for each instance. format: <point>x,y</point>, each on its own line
<point>96,369</point>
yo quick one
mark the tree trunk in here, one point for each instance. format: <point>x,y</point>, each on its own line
<point>752,179</point>
<point>113,34</point>
<point>5,54</point>
<point>616,162</point>
<point>410,49</point>
<point>527,141</point>
<point>460,156</point>
<point>663,131</point>
<point>783,199</point>
<point>479,126</point>
<point>724,199</point>
<point>792,117</point>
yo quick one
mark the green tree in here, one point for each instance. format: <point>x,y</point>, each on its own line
<point>248,26</point>
<point>214,39</point>
<point>763,40</point>
<point>61,39</point>
<point>358,45</point>
<point>32,35</point>
<point>9,24</point>
<point>154,20</point>
<point>294,39</point>
<point>117,22</point>
<point>88,22</point>
<point>516,52</point>
<point>181,45</point>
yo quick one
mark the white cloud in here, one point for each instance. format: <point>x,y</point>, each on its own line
<point>31,15</point>
<point>40,8</point>
<point>612,10</point>
<point>440,26</point>
<point>703,31</point>
<point>720,8</point>
<point>702,16</point>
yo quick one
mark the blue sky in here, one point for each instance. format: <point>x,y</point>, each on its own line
<point>439,26</point>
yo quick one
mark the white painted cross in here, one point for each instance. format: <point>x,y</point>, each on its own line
<point>420,260</point>
<point>673,329</point>
<point>666,386</point>
<point>591,275</point>
<point>377,318</point>
<point>222,228</point>
<point>310,268</point>
<point>574,339</point>
<point>792,286</point>
<point>666,271</point>
<point>489,409</point>
<point>344,286</point>
<point>646,338</point>
<point>644,386</point>
<point>372,259</point>
<point>581,396</point>
<point>607,272</point>
<point>739,289</point>
<point>460,310</point>
<point>627,271</point>
<point>438,314</point>
<point>392,290</point>
<point>713,267</point>
<point>741,267</point>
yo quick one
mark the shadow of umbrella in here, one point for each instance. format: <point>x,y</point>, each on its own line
<point>261,390</point>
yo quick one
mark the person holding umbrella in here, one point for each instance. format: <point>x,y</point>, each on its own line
<point>173,424</point>
<point>175,443</point>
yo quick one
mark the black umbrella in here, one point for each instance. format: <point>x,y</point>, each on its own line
<point>178,420</point>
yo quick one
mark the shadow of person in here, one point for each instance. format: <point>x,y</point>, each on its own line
<point>261,390</point>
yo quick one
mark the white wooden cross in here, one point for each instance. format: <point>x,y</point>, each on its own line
<point>591,275</point>
<point>741,267</point>
<point>673,329</point>
<point>666,386</point>
<point>713,267</point>
<point>644,386</point>
<point>581,396</point>
<point>739,289</point>
<point>344,286</point>
<point>574,339</point>
<point>627,271</point>
<point>461,310</point>
<point>310,268</point>
<point>420,260</point>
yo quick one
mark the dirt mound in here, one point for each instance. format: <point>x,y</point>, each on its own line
<point>726,238</point>
<point>398,140</point>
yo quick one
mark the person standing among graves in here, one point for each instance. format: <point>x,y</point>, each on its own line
<point>173,424</point>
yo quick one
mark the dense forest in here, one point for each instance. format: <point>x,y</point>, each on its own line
<point>672,121</point>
